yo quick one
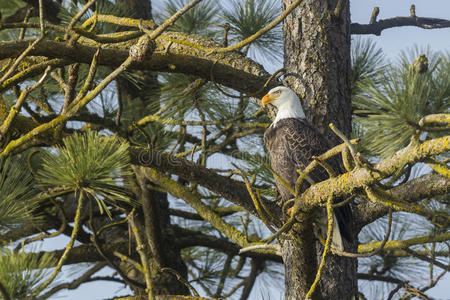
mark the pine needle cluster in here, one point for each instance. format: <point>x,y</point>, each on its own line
<point>21,273</point>
<point>90,164</point>
<point>17,187</point>
<point>390,100</point>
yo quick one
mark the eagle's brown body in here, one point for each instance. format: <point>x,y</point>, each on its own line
<point>292,142</point>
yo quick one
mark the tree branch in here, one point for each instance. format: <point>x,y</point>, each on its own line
<point>76,283</point>
<point>375,27</point>
<point>51,9</point>
<point>185,238</point>
<point>402,244</point>
<point>194,200</point>
<point>190,238</point>
<point>379,278</point>
<point>353,181</point>
<point>175,52</point>
<point>427,259</point>
<point>426,186</point>
<point>85,253</point>
<point>232,190</point>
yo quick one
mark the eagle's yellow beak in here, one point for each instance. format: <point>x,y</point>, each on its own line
<point>267,99</point>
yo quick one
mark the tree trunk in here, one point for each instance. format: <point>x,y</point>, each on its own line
<point>299,257</point>
<point>317,61</point>
<point>317,54</point>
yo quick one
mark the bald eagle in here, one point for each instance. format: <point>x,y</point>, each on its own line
<point>292,142</point>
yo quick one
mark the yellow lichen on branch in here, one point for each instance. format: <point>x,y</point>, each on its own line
<point>16,108</point>
<point>74,108</point>
<point>123,21</point>
<point>435,118</point>
<point>194,200</point>
<point>348,183</point>
<point>63,258</point>
<point>401,244</point>
<point>143,256</point>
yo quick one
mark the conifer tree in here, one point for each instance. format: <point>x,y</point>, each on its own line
<point>133,128</point>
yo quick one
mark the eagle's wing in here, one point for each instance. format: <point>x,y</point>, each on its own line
<point>292,144</point>
<point>303,142</point>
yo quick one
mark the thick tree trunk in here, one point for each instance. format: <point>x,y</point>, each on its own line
<point>317,59</point>
<point>317,54</point>
<point>299,257</point>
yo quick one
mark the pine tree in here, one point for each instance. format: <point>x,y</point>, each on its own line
<point>134,129</point>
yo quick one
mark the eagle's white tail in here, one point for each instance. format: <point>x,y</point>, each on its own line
<point>336,242</point>
<point>337,237</point>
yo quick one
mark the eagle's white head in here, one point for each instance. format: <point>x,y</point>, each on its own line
<point>286,101</point>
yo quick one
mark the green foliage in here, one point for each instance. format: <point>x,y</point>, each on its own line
<point>90,164</point>
<point>258,164</point>
<point>8,8</point>
<point>185,102</point>
<point>211,263</point>
<point>248,17</point>
<point>21,272</point>
<point>197,20</point>
<point>174,93</point>
<point>367,60</point>
<point>11,6</point>
<point>389,106</point>
<point>16,190</point>
<point>407,57</point>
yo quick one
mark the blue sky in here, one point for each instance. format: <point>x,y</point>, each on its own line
<point>392,41</point>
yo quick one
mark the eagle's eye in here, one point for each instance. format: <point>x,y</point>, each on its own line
<point>277,92</point>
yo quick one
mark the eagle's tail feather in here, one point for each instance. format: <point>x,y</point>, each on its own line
<point>337,237</point>
<point>336,241</point>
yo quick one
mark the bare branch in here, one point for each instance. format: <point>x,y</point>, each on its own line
<point>75,283</point>
<point>376,27</point>
<point>379,278</point>
<point>427,259</point>
<point>41,17</point>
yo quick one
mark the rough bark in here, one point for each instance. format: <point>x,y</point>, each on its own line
<point>317,60</point>
<point>299,258</point>
<point>317,57</point>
